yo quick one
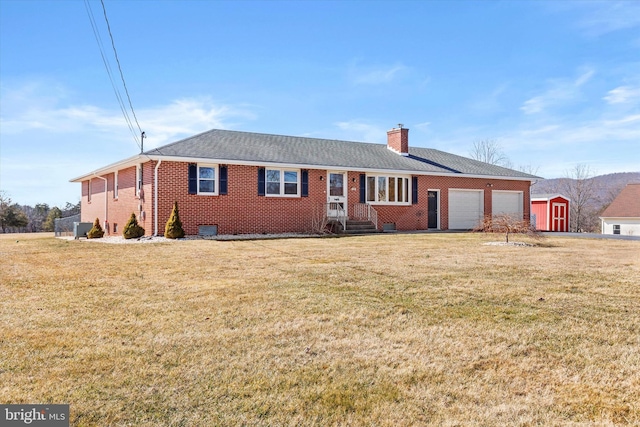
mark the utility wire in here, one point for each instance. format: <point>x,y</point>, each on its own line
<point>107,66</point>
<point>119,67</point>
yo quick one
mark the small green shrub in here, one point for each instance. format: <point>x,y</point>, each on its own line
<point>96,231</point>
<point>131,229</point>
<point>173,229</point>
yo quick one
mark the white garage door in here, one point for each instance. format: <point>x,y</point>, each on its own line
<point>507,202</point>
<point>466,209</point>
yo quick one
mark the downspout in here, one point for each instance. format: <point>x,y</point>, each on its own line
<point>106,217</point>
<point>155,198</point>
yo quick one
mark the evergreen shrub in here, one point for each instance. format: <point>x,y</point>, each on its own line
<point>96,231</point>
<point>173,229</point>
<point>131,229</point>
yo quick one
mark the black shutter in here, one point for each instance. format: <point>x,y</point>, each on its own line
<point>363,188</point>
<point>261,181</point>
<point>414,190</point>
<point>304,191</point>
<point>193,178</point>
<point>223,180</point>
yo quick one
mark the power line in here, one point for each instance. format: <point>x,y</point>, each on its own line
<point>107,66</point>
<point>119,68</point>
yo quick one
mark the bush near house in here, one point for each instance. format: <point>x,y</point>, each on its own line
<point>96,231</point>
<point>173,229</point>
<point>131,229</point>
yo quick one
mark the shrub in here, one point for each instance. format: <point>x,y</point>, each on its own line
<point>131,229</point>
<point>173,229</point>
<point>96,231</point>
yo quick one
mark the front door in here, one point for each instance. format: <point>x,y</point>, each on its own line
<point>432,208</point>
<point>336,194</point>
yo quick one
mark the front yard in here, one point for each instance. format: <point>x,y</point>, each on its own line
<point>385,330</point>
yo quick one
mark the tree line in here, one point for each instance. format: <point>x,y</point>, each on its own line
<point>16,218</point>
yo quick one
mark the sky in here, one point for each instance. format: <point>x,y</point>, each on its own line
<point>555,84</point>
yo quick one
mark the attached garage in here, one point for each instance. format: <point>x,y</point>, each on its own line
<point>507,202</point>
<point>466,208</point>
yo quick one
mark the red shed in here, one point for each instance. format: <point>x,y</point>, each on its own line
<point>551,212</point>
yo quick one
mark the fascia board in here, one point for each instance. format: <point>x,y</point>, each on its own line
<point>131,161</point>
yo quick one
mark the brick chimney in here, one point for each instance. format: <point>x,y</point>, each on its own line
<point>398,140</point>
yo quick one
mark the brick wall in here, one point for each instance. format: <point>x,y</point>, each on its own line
<point>243,211</point>
<point>127,202</point>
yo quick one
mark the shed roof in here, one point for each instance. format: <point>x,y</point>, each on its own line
<point>547,197</point>
<point>626,204</point>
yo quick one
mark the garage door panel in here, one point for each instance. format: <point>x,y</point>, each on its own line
<point>507,202</point>
<point>466,209</point>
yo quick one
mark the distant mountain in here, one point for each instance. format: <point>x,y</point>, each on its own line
<point>606,187</point>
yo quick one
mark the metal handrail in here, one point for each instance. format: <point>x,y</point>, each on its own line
<point>341,216</point>
<point>365,211</point>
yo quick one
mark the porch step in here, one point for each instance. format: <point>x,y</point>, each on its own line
<point>360,227</point>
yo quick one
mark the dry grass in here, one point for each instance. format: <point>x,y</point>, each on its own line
<point>386,330</point>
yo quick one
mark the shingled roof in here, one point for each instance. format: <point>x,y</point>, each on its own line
<point>626,204</point>
<point>233,146</point>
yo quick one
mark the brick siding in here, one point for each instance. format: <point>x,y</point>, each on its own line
<point>241,210</point>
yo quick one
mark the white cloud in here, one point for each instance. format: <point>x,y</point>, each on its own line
<point>424,126</point>
<point>623,95</point>
<point>375,75</point>
<point>602,17</point>
<point>32,108</point>
<point>185,117</point>
<point>560,92</point>
<point>358,130</point>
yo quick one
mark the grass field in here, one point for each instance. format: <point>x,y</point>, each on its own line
<point>386,330</point>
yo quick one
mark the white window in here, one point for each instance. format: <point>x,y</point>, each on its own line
<point>282,182</point>
<point>89,191</point>
<point>387,189</point>
<point>616,229</point>
<point>115,185</point>
<point>207,179</point>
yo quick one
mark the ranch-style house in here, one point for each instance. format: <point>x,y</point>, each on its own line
<point>230,182</point>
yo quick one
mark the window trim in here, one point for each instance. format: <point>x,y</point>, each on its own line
<point>216,179</point>
<point>376,178</point>
<point>282,172</point>
<point>138,180</point>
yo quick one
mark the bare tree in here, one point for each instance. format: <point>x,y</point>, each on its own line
<point>489,151</point>
<point>508,224</point>
<point>580,187</point>
<point>529,168</point>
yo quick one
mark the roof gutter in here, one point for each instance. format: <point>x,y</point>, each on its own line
<point>155,198</point>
